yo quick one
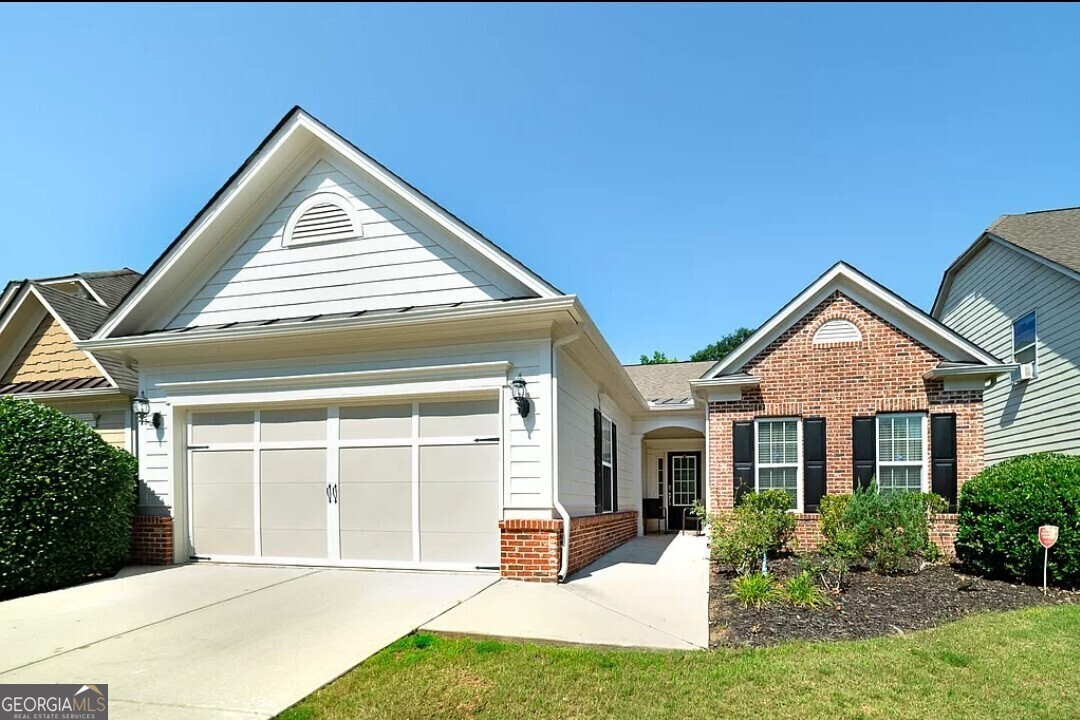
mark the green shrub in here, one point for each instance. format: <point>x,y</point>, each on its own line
<point>754,590</point>
<point>839,549</point>
<point>802,591</point>
<point>760,524</point>
<point>891,531</point>
<point>1002,508</point>
<point>66,500</point>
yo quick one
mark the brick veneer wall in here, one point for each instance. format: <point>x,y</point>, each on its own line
<point>808,532</point>
<point>881,373</point>
<point>531,549</point>
<point>594,535</point>
<point>152,540</point>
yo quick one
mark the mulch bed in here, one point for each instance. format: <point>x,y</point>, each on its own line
<point>870,606</point>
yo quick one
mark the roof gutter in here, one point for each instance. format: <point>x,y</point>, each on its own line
<point>69,394</point>
<point>313,327</point>
<point>971,371</point>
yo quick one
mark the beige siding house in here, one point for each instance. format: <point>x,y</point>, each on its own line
<point>40,323</point>
<point>1016,293</point>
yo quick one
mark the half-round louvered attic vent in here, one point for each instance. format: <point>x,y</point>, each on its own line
<point>837,331</point>
<point>322,217</point>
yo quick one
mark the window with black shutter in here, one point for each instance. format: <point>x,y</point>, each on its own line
<point>814,479</point>
<point>742,446</point>
<point>604,462</point>
<point>863,451</point>
<point>943,457</point>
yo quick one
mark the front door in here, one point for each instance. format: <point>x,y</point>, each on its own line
<point>684,487</point>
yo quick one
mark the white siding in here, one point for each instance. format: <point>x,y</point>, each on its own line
<point>579,395</point>
<point>393,265</point>
<point>527,472</point>
<point>998,286</point>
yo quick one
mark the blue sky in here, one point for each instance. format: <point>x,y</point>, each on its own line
<point>684,169</point>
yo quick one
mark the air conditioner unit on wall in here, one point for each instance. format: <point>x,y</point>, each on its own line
<point>1027,371</point>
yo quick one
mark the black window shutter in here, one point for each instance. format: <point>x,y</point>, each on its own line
<point>863,450</point>
<point>614,469</point>
<point>598,460</point>
<point>742,446</point>
<point>813,463</point>
<point>943,457</point>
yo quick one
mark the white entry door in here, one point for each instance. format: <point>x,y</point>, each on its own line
<point>402,485</point>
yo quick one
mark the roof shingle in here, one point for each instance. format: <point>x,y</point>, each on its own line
<point>669,382</point>
<point>1052,234</point>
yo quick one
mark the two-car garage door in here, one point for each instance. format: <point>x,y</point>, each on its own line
<point>409,484</point>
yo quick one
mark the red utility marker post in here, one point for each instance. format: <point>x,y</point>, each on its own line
<point>1048,535</point>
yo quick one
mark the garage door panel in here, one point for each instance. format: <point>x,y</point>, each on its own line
<point>458,507</point>
<point>293,503</point>
<point>481,548</point>
<point>303,425</point>
<point>459,463</point>
<point>376,465</point>
<point>365,545</point>
<point>223,427</point>
<point>212,541</point>
<point>294,543</point>
<point>383,507</point>
<point>366,422</point>
<point>462,418</point>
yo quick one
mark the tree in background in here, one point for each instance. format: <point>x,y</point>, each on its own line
<point>715,352</point>
<point>723,347</point>
<point>658,358</point>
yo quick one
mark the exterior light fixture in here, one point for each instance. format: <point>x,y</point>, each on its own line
<point>517,387</point>
<point>141,407</point>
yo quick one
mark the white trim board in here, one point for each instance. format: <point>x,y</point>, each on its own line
<point>868,294</point>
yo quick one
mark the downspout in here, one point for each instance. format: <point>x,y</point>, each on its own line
<point>565,554</point>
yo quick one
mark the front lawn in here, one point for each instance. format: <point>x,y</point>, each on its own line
<point>1005,665</point>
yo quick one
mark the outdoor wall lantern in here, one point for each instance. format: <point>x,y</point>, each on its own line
<point>141,407</point>
<point>517,387</point>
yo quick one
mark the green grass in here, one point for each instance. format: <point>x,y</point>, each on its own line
<point>1010,666</point>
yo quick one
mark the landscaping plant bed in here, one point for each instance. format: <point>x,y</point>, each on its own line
<point>871,605</point>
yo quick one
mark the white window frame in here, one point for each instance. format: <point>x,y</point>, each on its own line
<point>609,464</point>
<point>1033,345</point>
<point>758,465</point>
<point>924,474</point>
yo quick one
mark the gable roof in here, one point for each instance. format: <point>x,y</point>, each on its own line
<point>667,383</point>
<point>299,128</point>
<point>1051,237</point>
<point>80,317</point>
<point>871,295</point>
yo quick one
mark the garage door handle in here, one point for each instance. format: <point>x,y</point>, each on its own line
<point>335,493</point>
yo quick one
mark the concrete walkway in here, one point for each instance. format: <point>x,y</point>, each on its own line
<point>220,642</point>
<point>652,592</point>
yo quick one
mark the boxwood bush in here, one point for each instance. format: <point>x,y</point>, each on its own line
<point>66,500</point>
<point>1002,508</point>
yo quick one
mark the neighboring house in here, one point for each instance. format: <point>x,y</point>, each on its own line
<point>40,322</point>
<point>339,372</point>
<point>1016,292</point>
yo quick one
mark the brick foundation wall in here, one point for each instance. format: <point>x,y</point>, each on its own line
<point>808,533</point>
<point>838,381</point>
<point>594,535</point>
<point>151,540</point>
<point>531,549</point>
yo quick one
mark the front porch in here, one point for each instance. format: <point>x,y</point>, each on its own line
<point>673,475</point>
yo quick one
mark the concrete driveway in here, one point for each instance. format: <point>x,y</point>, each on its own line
<point>217,641</point>
<point>652,592</point>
